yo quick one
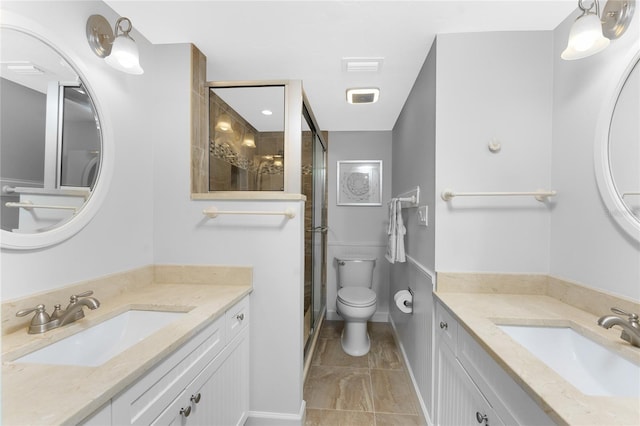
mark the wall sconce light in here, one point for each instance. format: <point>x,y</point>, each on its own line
<point>591,31</point>
<point>117,47</point>
<point>249,140</point>
<point>224,124</point>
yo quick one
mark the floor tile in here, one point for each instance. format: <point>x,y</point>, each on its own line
<point>398,420</point>
<point>384,354</point>
<point>329,353</point>
<point>372,390</point>
<point>331,329</point>
<point>338,418</point>
<point>392,392</point>
<point>338,388</point>
<point>380,331</point>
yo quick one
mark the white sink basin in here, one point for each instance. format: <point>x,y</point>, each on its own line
<point>98,344</point>
<point>590,367</point>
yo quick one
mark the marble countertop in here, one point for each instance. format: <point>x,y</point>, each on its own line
<point>479,314</point>
<point>37,394</point>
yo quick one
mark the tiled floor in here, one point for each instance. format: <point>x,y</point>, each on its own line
<point>371,390</point>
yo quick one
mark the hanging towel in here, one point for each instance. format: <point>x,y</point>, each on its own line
<point>391,232</point>
<point>396,232</point>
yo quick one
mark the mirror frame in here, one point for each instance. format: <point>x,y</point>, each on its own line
<point>20,241</point>
<point>618,210</point>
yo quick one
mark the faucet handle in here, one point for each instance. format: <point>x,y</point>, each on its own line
<point>632,317</point>
<point>41,317</point>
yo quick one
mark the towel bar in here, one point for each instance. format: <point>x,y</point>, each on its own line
<point>539,195</point>
<point>213,212</point>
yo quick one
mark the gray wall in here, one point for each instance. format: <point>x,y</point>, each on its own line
<point>359,231</point>
<point>22,133</point>
<point>414,143</point>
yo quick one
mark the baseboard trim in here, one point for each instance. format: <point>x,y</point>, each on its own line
<point>423,406</point>
<point>265,418</point>
<point>377,317</point>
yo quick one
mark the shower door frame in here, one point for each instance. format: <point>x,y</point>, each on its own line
<point>318,229</point>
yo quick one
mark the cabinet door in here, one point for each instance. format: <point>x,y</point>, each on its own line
<point>224,397</point>
<point>219,395</point>
<point>458,401</point>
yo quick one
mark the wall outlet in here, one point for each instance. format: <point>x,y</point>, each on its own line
<point>423,215</point>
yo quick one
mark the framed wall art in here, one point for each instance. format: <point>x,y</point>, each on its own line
<point>359,183</point>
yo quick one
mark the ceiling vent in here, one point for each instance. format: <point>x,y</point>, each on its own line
<point>23,68</point>
<point>363,96</point>
<point>361,64</point>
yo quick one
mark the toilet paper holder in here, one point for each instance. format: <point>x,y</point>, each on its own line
<point>409,303</point>
<point>404,300</point>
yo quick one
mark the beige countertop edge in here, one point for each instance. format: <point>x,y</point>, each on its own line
<point>478,314</point>
<point>37,394</point>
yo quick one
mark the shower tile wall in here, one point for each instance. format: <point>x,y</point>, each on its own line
<point>199,145</point>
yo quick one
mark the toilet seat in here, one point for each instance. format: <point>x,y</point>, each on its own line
<point>357,296</point>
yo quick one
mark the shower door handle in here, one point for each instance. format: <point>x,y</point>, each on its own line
<point>323,229</point>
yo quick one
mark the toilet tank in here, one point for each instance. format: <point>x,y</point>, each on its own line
<point>355,272</point>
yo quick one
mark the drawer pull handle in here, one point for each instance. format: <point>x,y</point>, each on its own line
<point>195,398</point>
<point>444,325</point>
<point>240,317</point>
<point>185,411</point>
<point>481,418</point>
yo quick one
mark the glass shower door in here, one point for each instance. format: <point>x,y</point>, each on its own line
<point>314,187</point>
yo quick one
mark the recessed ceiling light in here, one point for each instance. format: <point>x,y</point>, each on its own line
<point>267,112</point>
<point>363,95</point>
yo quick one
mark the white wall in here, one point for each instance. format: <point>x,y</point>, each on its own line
<point>359,231</point>
<point>148,217</point>
<point>272,245</point>
<point>119,237</point>
<point>493,85</point>
<point>587,245</point>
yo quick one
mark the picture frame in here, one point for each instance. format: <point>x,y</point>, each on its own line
<point>359,183</point>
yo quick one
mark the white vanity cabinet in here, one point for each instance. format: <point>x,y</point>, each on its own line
<point>471,388</point>
<point>204,382</point>
<point>458,401</point>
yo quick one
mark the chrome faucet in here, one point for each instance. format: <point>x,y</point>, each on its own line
<point>42,322</point>
<point>630,326</point>
<point>74,311</point>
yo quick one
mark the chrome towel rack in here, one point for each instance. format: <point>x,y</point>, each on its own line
<point>540,195</point>
<point>213,212</point>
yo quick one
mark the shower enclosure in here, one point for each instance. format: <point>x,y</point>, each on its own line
<point>314,160</point>
<point>254,146</point>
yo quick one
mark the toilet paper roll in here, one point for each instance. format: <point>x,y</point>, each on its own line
<point>404,301</point>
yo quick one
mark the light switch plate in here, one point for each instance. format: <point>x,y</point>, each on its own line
<point>423,215</point>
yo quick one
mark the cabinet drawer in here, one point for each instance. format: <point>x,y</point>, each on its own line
<point>237,318</point>
<point>144,400</point>
<point>446,327</point>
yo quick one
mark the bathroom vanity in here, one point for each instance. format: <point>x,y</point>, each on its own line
<point>195,370</point>
<point>482,376</point>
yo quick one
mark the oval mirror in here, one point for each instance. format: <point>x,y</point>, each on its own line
<point>624,143</point>
<point>50,142</point>
<point>618,151</point>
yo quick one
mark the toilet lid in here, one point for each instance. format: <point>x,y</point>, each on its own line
<point>357,296</point>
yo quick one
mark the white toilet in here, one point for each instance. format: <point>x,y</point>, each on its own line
<point>356,303</point>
